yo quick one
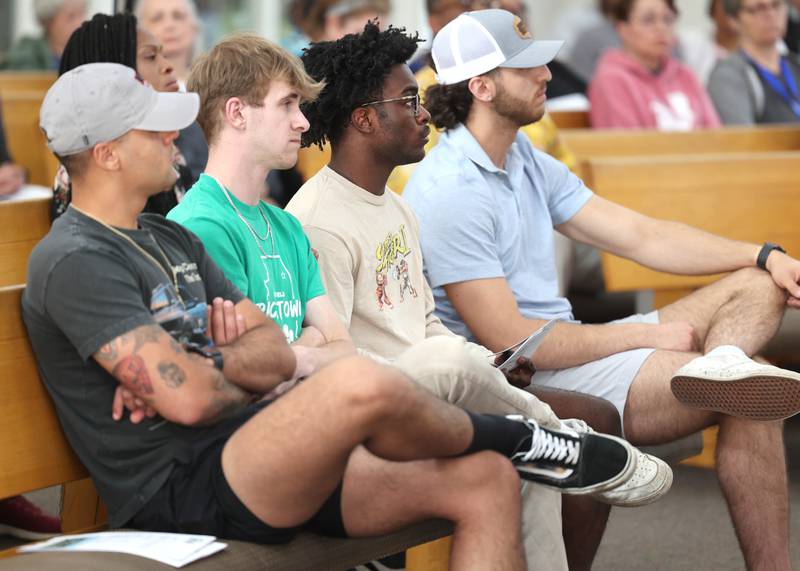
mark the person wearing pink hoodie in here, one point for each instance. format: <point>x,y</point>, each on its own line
<point>641,85</point>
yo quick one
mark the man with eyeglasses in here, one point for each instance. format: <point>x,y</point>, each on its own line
<point>757,84</point>
<point>370,258</point>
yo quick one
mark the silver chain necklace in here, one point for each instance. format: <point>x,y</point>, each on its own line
<point>258,239</point>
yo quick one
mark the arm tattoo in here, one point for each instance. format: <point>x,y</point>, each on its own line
<point>146,334</point>
<point>131,371</point>
<point>172,374</point>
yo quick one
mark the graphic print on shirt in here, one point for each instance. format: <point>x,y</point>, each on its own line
<point>282,299</point>
<point>676,115</point>
<point>391,255</point>
<point>184,317</point>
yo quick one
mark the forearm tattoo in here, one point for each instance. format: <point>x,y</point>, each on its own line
<point>131,371</point>
<point>172,374</point>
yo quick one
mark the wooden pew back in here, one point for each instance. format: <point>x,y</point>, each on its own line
<point>750,197</point>
<point>11,81</point>
<point>571,119</point>
<point>34,453</point>
<point>589,144</point>
<point>22,225</point>
<point>25,139</point>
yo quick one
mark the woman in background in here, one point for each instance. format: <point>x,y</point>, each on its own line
<point>642,85</point>
<point>58,19</point>
<point>117,39</point>
<point>757,84</point>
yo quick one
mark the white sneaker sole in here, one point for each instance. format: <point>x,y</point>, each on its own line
<point>756,397</point>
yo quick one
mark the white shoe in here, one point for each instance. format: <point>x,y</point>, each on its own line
<point>738,386</point>
<point>650,481</point>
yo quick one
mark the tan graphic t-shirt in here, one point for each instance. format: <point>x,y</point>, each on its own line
<point>371,262</point>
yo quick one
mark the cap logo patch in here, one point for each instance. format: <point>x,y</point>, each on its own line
<point>521,29</point>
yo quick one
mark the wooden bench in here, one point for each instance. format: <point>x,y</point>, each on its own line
<point>25,139</point>
<point>11,81</point>
<point>750,197</point>
<point>34,454</point>
<point>593,144</point>
<point>22,225</point>
<point>571,119</point>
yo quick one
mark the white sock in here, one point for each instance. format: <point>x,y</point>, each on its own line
<point>726,350</point>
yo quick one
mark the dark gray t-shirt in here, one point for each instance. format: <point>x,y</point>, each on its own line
<point>86,287</point>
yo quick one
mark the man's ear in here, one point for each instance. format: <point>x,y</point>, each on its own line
<point>106,156</point>
<point>483,88</point>
<point>363,119</point>
<point>233,113</point>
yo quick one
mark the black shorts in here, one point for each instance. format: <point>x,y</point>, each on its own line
<point>198,499</point>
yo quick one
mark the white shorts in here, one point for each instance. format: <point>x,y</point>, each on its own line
<point>609,378</point>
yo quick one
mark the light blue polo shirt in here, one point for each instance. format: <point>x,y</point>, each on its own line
<point>478,221</point>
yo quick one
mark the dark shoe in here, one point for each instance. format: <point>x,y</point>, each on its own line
<point>573,463</point>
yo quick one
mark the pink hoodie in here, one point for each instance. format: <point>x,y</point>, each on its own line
<point>625,94</point>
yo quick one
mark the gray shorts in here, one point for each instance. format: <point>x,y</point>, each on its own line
<point>609,378</point>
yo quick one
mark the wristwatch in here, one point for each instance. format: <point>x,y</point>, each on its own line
<point>209,353</point>
<point>766,249</point>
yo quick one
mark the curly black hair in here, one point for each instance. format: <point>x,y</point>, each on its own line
<point>354,69</point>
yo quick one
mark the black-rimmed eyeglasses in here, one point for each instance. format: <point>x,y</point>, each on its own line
<point>411,100</point>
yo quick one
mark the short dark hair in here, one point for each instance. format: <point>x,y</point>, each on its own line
<point>76,164</point>
<point>103,39</point>
<point>622,11</point>
<point>354,69</point>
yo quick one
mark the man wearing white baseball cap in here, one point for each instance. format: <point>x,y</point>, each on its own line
<point>116,307</point>
<point>487,203</point>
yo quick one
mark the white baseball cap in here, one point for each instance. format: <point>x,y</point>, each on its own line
<point>100,102</point>
<point>477,42</point>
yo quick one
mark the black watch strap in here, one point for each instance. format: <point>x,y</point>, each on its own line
<point>214,354</point>
<point>766,249</point>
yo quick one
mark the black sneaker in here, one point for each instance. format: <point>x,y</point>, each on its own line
<point>573,463</point>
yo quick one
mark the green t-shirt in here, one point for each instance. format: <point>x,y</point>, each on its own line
<point>279,274</point>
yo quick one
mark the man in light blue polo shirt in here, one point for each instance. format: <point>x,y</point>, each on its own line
<point>506,215</point>
<point>487,204</point>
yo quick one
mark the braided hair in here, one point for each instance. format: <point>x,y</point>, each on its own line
<point>354,69</point>
<point>103,39</point>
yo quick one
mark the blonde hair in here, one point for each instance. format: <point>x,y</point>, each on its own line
<point>244,66</point>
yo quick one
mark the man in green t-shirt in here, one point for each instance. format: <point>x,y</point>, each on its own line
<point>259,247</point>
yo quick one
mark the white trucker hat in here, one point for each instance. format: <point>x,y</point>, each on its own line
<point>477,42</point>
<point>100,102</point>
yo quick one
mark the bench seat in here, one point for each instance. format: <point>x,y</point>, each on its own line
<point>306,551</point>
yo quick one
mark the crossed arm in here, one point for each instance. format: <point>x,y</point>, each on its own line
<point>324,338</point>
<point>184,387</point>
<point>489,308</point>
